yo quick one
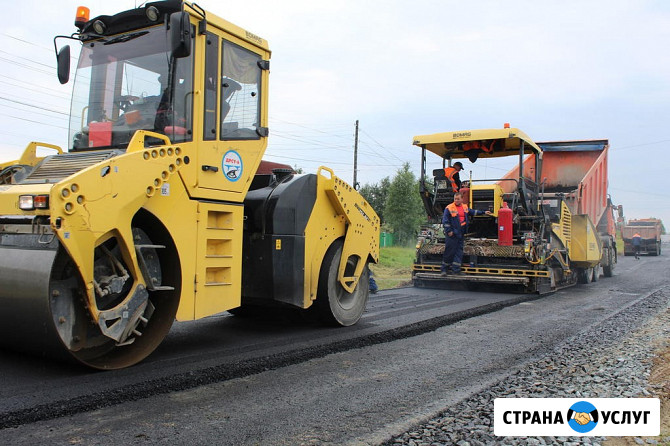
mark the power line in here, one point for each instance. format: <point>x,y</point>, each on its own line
<point>35,106</point>
<point>312,129</point>
<point>33,112</point>
<point>74,56</point>
<point>36,122</point>
<point>38,70</point>
<point>304,159</point>
<point>376,153</point>
<point>641,145</point>
<point>23,136</point>
<point>50,93</point>
<point>26,41</point>
<point>309,142</point>
<point>380,145</point>
<point>640,192</point>
<point>26,59</point>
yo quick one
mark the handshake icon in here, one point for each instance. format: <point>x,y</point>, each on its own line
<point>582,418</point>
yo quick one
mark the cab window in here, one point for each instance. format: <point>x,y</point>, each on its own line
<point>240,93</point>
<point>211,86</point>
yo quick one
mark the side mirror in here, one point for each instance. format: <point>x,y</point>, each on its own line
<point>180,35</point>
<point>63,63</point>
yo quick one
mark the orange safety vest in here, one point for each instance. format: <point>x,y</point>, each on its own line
<point>454,212</point>
<point>449,172</point>
<point>472,145</point>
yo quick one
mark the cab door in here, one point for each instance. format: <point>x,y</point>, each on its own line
<point>234,117</point>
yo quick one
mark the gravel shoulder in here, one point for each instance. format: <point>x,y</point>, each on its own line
<point>626,355</point>
<point>659,386</point>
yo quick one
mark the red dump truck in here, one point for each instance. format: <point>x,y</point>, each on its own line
<point>576,172</point>
<point>649,230</point>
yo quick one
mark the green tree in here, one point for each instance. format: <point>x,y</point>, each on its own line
<point>376,194</point>
<point>404,210</point>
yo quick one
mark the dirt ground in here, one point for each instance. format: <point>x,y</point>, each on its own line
<point>659,383</point>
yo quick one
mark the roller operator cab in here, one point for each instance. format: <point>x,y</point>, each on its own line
<point>155,211</point>
<point>531,239</point>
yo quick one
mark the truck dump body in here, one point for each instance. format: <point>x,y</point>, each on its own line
<point>579,170</point>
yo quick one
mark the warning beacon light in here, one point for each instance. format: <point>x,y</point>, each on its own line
<point>82,17</point>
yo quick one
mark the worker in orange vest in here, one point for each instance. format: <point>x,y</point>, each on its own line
<point>637,241</point>
<point>472,149</point>
<point>455,225</point>
<point>452,175</point>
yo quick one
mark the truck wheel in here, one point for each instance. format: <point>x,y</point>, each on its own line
<point>596,273</point>
<point>608,269</point>
<point>334,304</point>
<point>584,275</point>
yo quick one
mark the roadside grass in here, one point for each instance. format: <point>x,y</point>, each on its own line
<point>394,268</point>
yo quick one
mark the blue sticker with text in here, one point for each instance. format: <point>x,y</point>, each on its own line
<point>232,165</point>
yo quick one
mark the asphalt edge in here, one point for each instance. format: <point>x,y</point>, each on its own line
<point>226,372</point>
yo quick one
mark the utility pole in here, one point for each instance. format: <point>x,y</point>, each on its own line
<point>356,156</point>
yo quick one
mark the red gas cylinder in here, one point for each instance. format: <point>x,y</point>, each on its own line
<point>465,193</point>
<point>504,226</point>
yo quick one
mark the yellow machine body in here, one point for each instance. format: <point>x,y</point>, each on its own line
<point>492,190</point>
<point>585,247</point>
<point>549,246</point>
<point>155,228</point>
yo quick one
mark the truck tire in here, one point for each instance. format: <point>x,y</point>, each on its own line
<point>608,269</point>
<point>656,251</point>
<point>596,273</point>
<point>334,304</point>
<point>584,275</point>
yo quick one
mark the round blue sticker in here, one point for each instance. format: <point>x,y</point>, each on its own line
<point>582,417</point>
<point>232,165</point>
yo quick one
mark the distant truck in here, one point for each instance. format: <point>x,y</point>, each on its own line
<point>650,232</point>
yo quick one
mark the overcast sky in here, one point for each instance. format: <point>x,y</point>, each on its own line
<point>556,70</point>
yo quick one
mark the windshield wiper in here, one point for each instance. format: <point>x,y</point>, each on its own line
<point>126,37</point>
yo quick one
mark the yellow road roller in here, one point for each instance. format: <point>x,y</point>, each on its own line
<point>161,208</point>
